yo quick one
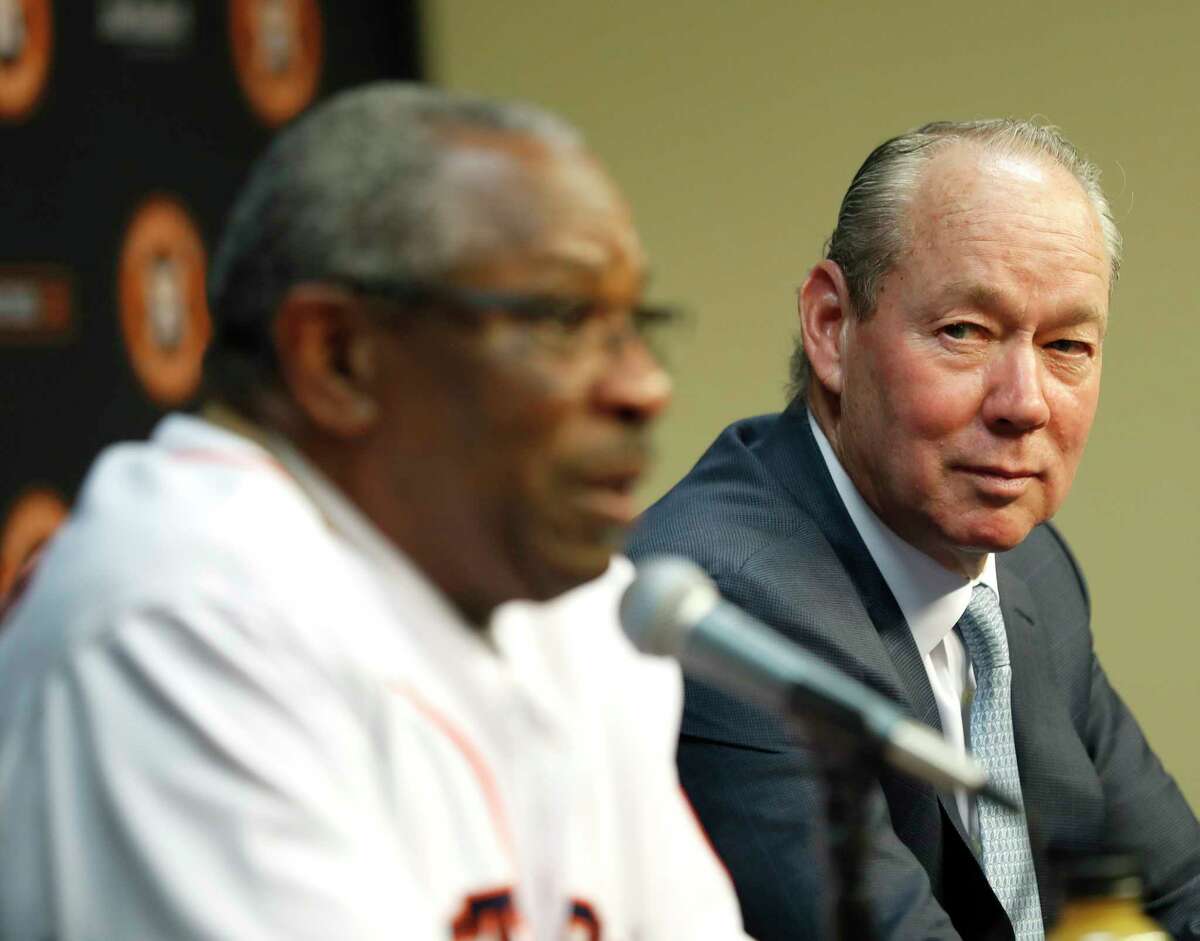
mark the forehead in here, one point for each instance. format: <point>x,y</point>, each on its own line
<point>529,202</point>
<point>997,210</point>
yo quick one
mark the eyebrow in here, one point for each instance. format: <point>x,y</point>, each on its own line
<point>574,262</point>
<point>986,298</point>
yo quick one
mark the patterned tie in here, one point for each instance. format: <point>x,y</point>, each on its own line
<point>1007,858</point>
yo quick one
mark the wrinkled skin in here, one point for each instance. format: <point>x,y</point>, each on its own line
<point>510,466</point>
<point>961,406</point>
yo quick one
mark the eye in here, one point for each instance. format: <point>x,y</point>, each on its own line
<point>1070,347</point>
<point>563,326</point>
<point>571,316</point>
<point>962,330</point>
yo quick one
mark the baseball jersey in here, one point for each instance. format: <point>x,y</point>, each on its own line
<point>229,709</point>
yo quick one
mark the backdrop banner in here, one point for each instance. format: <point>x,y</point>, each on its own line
<point>126,128</point>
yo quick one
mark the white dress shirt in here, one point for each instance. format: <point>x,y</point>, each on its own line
<point>931,598</point>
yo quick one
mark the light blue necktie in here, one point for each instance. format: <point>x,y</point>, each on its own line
<point>1007,858</point>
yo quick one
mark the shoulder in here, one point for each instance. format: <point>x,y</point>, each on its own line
<point>170,515</point>
<point>581,629</point>
<point>161,529</point>
<point>637,697</point>
<point>1045,563</point>
<point>730,509</point>
<point>1057,602</point>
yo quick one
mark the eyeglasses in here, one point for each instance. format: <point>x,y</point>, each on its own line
<point>562,325</point>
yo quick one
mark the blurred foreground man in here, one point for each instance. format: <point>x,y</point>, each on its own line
<point>266,684</point>
<point>894,519</point>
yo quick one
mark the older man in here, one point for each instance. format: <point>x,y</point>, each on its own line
<point>895,520</point>
<point>268,681</point>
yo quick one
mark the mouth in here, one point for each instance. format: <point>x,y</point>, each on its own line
<point>608,496</point>
<point>1000,481</point>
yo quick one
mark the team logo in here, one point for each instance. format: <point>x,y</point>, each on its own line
<point>30,522</point>
<point>164,316</point>
<point>489,916</point>
<point>35,303</point>
<point>26,35</point>
<point>278,49</point>
<point>492,916</point>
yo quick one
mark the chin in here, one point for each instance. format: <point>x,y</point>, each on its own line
<point>997,535</point>
<point>568,569</point>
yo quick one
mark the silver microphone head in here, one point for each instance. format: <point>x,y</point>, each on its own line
<point>924,753</point>
<point>668,595</point>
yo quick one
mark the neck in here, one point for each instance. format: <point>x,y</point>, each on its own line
<point>435,531</point>
<point>969,565</point>
<point>422,529</point>
<point>225,416</point>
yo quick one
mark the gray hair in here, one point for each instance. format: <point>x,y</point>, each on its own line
<point>356,190</point>
<point>872,231</point>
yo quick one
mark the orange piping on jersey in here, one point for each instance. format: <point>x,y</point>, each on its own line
<point>487,781</point>
<point>215,456</point>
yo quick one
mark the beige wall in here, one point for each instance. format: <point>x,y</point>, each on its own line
<point>735,127</point>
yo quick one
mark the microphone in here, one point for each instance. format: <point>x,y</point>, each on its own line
<point>673,609</point>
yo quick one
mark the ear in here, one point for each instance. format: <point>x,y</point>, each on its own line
<point>824,303</point>
<point>326,354</point>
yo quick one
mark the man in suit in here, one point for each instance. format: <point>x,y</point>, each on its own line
<point>894,519</point>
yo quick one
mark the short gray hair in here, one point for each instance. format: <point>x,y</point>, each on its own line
<point>355,190</point>
<point>871,231</point>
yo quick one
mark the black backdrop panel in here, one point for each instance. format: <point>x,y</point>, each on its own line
<point>142,97</point>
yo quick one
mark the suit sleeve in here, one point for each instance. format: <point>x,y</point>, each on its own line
<point>206,785</point>
<point>1146,811</point>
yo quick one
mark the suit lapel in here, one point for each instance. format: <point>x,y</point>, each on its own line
<point>791,453</point>
<point>1020,620</point>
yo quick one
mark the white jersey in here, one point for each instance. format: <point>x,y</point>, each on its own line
<point>229,710</point>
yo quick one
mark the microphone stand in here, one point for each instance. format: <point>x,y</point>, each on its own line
<point>850,767</point>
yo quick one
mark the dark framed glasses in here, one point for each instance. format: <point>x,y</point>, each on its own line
<point>562,324</point>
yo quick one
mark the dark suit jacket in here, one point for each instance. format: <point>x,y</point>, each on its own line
<point>761,514</point>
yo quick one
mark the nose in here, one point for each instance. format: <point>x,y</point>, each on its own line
<point>1016,397</point>
<point>634,388</point>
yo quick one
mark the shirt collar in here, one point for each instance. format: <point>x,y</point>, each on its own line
<point>931,598</point>
<point>225,430</point>
<point>364,538</point>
